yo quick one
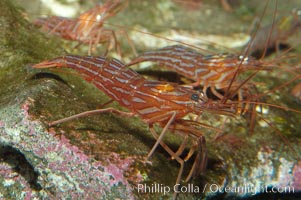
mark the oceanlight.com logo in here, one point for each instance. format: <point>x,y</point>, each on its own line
<point>212,188</point>
<point>249,189</point>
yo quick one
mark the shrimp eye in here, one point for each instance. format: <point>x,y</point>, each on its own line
<point>195,97</point>
<point>243,58</point>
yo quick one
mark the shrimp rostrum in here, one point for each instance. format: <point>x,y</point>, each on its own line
<point>154,102</point>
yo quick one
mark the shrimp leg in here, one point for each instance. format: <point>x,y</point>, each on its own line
<point>92,112</point>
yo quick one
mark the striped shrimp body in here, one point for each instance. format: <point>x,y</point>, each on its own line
<point>88,27</point>
<point>214,71</point>
<point>125,85</point>
<point>155,102</point>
